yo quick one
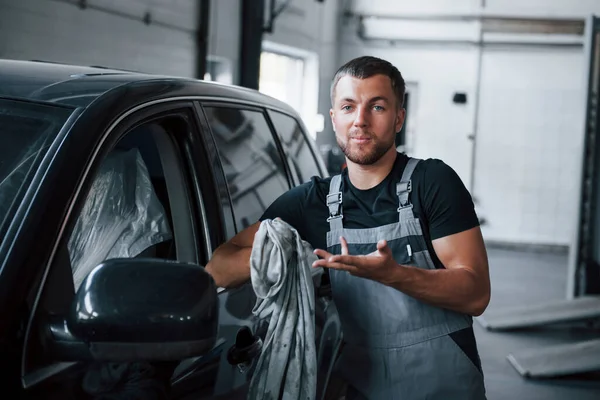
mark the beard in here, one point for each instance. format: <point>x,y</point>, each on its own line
<point>365,154</point>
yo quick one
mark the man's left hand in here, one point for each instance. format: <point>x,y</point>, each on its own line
<point>379,265</point>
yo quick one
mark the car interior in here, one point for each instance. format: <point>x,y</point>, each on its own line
<point>121,217</point>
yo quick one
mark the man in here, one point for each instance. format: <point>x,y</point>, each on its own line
<point>402,243</point>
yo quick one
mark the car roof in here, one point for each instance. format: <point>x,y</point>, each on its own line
<point>56,82</point>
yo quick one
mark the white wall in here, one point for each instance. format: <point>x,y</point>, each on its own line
<point>530,119</point>
<point>62,32</point>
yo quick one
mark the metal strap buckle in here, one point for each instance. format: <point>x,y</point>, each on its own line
<point>407,187</point>
<point>334,198</point>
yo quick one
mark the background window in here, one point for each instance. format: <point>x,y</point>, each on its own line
<point>253,166</point>
<point>291,75</point>
<point>282,76</point>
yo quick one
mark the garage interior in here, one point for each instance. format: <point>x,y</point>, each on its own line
<point>504,91</point>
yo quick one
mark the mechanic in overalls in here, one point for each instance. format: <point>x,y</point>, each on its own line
<point>402,243</point>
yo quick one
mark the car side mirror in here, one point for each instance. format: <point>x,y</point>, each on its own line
<point>138,310</point>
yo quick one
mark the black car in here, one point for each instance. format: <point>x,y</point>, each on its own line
<point>115,189</point>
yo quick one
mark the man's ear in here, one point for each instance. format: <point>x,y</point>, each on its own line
<point>400,117</point>
<point>332,115</point>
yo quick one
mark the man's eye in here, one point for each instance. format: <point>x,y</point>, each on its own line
<point>378,108</point>
<point>346,108</point>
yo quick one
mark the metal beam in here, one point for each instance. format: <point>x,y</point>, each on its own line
<point>202,33</point>
<point>584,271</point>
<point>251,42</point>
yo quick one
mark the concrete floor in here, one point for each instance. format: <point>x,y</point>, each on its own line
<point>521,278</point>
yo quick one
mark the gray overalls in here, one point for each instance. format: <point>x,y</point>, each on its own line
<point>397,347</point>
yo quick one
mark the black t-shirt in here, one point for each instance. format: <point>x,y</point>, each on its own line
<point>440,201</point>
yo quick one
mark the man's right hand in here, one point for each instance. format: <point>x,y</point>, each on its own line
<point>230,263</point>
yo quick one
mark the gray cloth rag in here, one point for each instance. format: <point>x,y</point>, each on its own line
<point>280,270</point>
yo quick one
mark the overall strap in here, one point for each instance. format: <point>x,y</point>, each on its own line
<point>403,189</point>
<point>334,203</point>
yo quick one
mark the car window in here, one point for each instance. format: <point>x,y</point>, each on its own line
<point>26,132</point>
<point>252,163</point>
<point>300,155</point>
<point>127,210</point>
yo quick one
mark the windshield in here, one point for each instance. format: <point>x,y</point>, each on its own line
<point>26,132</point>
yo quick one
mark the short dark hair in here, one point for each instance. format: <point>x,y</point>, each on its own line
<point>368,66</point>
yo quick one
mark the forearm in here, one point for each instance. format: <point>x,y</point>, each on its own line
<point>457,289</point>
<point>230,265</point>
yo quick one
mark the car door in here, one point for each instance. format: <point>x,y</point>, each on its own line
<point>135,197</point>
<point>255,172</point>
<point>249,174</point>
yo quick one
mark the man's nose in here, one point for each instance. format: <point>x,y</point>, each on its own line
<point>361,117</point>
